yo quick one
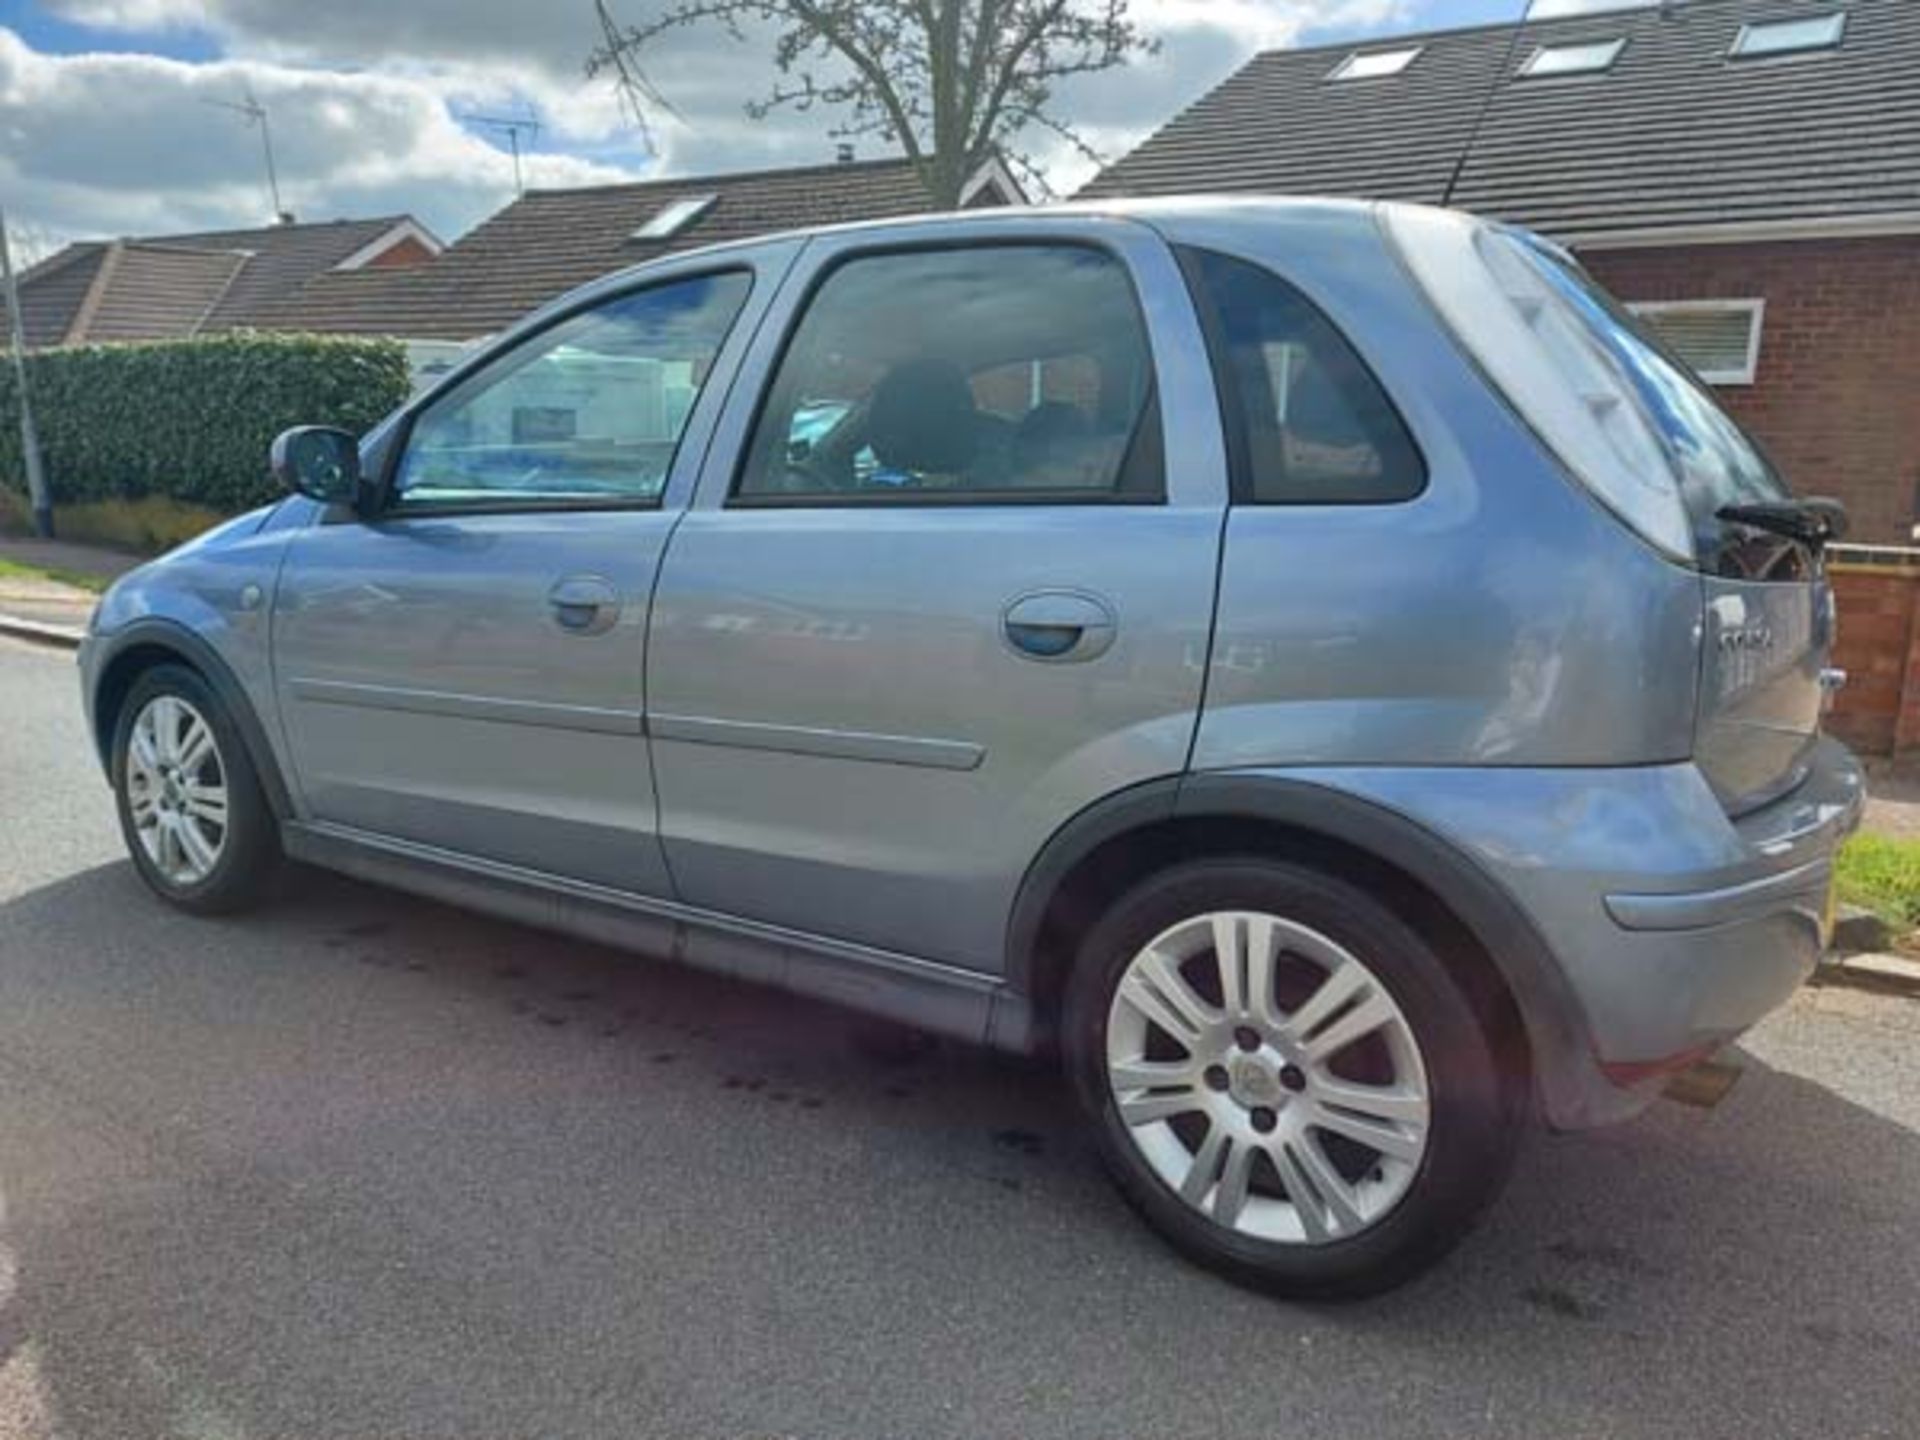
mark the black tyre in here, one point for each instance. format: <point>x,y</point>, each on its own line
<point>1286,1081</point>
<point>194,817</point>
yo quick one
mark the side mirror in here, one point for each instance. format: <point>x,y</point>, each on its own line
<point>319,462</point>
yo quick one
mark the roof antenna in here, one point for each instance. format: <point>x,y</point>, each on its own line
<point>1486,105</point>
<point>256,114</point>
<point>513,125</point>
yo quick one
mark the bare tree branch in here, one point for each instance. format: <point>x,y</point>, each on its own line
<point>952,82</point>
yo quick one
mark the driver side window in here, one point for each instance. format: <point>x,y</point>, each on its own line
<point>588,412</point>
<point>990,374</point>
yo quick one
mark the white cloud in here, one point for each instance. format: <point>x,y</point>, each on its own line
<point>365,98</point>
<point>1549,9</point>
<point>142,16</point>
<point>125,144</point>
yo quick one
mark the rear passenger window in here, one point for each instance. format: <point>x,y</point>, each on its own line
<point>1307,423</point>
<point>987,374</point>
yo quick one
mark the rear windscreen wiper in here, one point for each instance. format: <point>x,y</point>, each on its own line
<point>1815,521</point>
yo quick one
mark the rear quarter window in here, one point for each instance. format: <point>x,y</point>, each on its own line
<point>1307,423</point>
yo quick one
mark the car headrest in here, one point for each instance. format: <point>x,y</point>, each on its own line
<point>922,417</point>
<point>1048,424</point>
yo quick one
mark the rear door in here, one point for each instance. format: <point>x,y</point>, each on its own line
<point>465,669</point>
<point>948,579</point>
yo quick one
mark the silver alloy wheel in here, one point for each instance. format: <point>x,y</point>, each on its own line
<point>1253,1114</point>
<point>177,789</point>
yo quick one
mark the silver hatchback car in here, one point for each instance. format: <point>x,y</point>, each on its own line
<point>1319,666</point>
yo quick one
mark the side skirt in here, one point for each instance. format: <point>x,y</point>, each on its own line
<point>944,999</point>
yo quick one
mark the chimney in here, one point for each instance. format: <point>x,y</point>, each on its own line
<point>843,153</point>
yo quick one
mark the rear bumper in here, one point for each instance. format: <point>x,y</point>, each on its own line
<point>1729,946</point>
<point>1674,927</point>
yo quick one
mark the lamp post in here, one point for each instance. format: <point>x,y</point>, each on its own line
<point>29,439</point>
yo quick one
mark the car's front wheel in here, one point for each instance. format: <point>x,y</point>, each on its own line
<point>191,808</point>
<point>1286,1080</point>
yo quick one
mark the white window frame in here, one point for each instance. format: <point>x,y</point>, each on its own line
<point>1748,373</point>
<point>1837,18</point>
<point>674,216</point>
<point>1530,69</point>
<point>1350,68</point>
<point>407,229</point>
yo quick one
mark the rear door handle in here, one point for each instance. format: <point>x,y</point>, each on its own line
<point>1059,626</point>
<point>584,605</point>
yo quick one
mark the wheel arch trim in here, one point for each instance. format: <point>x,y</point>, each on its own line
<point>192,650</point>
<point>1551,1012</point>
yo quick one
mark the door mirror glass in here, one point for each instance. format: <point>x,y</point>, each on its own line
<point>319,462</point>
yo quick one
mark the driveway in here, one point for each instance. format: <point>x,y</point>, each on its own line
<point>365,1166</point>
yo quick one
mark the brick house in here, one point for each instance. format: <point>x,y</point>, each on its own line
<point>163,287</point>
<point>1744,172</point>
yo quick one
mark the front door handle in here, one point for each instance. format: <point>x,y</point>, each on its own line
<point>1059,625</point>
<point>584,605</point>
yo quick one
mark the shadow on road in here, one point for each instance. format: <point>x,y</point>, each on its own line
<point>365,1165</point>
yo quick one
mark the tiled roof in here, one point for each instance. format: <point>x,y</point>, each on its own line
<point>182,284</point>
<point>52,291</point>
<point>285,257</point>
<point>154,292</point>
<point>549,241</point>
<point>1674,134</point>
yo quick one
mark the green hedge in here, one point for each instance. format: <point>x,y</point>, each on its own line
<point>190,419</point>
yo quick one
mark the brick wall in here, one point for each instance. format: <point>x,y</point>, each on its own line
<point>401,253</point>
<point>1875,649</point>
<point>1837,397</point>
<point>1878,713</point>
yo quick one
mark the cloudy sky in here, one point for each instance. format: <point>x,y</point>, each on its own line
<point>111,118</point>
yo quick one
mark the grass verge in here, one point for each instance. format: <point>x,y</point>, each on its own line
<point>14,570</point>
<point>1882,874</point>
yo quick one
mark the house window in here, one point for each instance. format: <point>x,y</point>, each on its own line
<point>673,217</point>
<point>1586,59</point>
<point>1789,37</point>
<point>1374,65</point>
<point>1720,339</point>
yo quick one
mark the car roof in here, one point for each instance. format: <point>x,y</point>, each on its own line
<point>1169,215</point>
<point>1159,211</point>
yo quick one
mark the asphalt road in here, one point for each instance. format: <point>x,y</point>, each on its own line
<point>364,1166</point>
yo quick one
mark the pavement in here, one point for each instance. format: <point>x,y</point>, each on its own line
<point>1893,797</point>
<point>364,1166</point>
<point>48,610</point>
<point>69,555</point>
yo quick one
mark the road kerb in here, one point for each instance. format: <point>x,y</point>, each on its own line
<point>65,636</point>
<point>1895,973</point>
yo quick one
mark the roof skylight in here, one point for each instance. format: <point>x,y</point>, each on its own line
<point>1587,58</point>
<point>1375,64</point>
<point>673,217</point>
<point>1787,37</point>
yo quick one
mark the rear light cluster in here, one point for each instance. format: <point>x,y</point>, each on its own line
<point>1529,338</point>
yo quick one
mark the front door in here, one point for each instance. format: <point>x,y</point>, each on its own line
<point>465,669</point>
<point>945,584</point>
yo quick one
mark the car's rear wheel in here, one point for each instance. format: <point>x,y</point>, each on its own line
<point>195,819</point>
<point>1286,1080</point>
